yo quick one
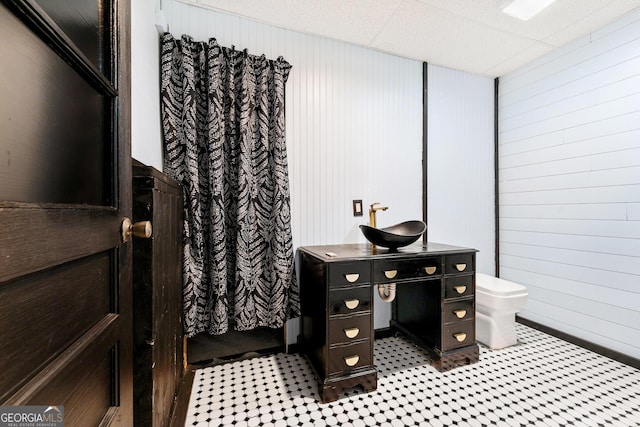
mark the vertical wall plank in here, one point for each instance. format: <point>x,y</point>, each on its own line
<point>460,162</point>
<point>569,156</point>
<point>145,80</point>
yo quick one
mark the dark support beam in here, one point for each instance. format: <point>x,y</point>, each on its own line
<point>496,188</point>
<point>425,138</point>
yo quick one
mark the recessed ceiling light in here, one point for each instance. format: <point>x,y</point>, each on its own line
<point>526,9</point>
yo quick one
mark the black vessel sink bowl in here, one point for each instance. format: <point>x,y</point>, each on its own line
<point>396,236</point>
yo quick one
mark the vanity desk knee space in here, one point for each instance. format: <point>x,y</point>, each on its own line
<point>434,306</point>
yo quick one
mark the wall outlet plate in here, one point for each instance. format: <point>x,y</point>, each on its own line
<point>357,208</point>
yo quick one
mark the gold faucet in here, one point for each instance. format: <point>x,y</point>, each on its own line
<point>372,213</point>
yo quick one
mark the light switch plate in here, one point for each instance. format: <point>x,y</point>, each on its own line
<point>357,208</point>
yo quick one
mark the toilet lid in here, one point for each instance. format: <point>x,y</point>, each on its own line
<point>500,287</point>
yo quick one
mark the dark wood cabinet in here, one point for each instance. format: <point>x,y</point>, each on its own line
<point>439,313</point>
<point>337,324</point>
<point>157,297</point>
<point>434,306</point>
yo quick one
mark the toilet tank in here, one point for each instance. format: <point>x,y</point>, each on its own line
<point>499,294</point>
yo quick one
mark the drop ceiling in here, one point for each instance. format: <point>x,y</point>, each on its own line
<point>468,35</point>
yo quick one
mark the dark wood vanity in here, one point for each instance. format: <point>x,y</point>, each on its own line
<point>434,306</point>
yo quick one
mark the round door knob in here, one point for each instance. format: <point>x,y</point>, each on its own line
<point>141,229</point>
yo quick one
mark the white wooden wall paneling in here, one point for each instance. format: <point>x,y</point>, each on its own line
<point>599,227</point>
<point>582,258</point>
<point>460,162</point>
<point>610,143</point>
<point>599,244</point>
<point>614,297</point>
<point>550,108</point>
<point>569,156</point>
<point>509,264</point>
<point>574,180</point>
<point>597,211</point>
<point>616,194</point>
<point>604,78</point>
<point>579,114</point>
<point>613,331</point>
<point>597,51</point>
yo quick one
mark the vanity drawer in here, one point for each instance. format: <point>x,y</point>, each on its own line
<point>349,273</point>
<point>348,329</point>
<point>459,334</point>
<point>458,311</point>
<point>457,287</point>
<point>459,263</point>
<point>396,270</point>
<point>350,300</point>
<point>350,356</point>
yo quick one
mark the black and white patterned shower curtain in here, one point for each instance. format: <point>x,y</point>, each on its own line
<point>224,132</point>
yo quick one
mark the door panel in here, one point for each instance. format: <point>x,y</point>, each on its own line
<point>57,149</point>
<point>94,392</point>
<point>57,234</point>
<point>81,290</point>
<point>84,23</point>
<point>65,186</point>
<point>85,392</point>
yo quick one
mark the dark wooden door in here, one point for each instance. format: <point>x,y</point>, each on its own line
<point>65,187</point>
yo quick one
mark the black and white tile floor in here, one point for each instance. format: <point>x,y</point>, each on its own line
<point>542,381</point>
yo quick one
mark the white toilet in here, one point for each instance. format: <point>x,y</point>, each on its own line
<point>497,302</point>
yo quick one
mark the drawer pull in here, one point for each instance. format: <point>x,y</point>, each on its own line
<point>352,360</point>
<point>460,336</point>
<point>461,267</point>
<point>430,269</point>
<point>390,274</point>
<point>461,289</point>
<point>460,313</point>
<point>351,332</point>
<point>352,277</point>
<point>351,303</point>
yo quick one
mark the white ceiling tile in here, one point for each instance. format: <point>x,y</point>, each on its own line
<point>469,35</point>
<point>555,18</point>
<point>421,31</point>
<point>518,59</point>
<point>353,21</point>
<point>489,13</point>
<point>593,21</point>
